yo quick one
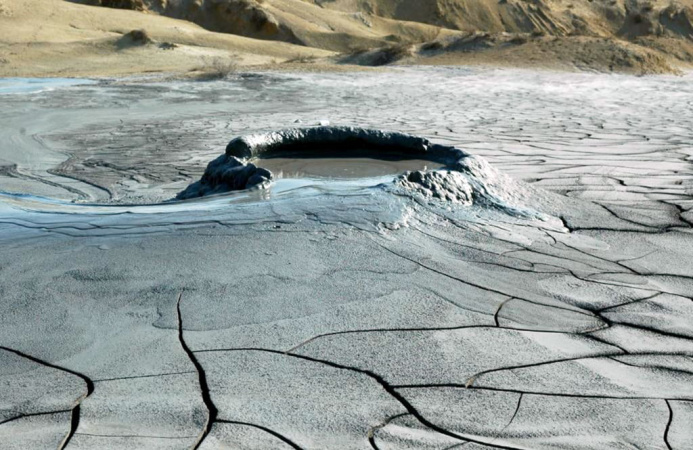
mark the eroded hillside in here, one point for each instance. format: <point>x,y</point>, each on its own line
<point>605,35</point>
<point>89,37</point>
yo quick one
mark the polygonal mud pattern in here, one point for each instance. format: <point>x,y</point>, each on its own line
<point>366,320</point>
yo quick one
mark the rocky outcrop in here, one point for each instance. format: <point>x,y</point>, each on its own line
<point>136,5</point>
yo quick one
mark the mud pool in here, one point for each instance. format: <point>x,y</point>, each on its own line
<point>339,168</point>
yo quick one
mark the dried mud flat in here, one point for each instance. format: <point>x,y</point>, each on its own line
<point>349,315</point>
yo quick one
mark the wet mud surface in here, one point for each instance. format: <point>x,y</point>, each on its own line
<point>340,168</point>
<point>353,313</point>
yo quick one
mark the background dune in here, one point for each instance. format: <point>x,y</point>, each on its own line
<point>58,38</point>
<point>83,37</point>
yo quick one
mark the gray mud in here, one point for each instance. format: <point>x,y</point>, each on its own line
<point>550,309</point>
<point>341,168</point>
<point>139,142</point>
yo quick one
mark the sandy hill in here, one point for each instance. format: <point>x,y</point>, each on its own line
<point>642,36</point>
<point>606,35</point>
<point>293,21</point>
<point>59,38</point>
<point>627,18</point>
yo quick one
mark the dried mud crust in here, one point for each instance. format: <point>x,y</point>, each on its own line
<point>289,324</point>
<point>517,120</point>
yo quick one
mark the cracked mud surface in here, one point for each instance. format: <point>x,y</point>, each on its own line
<point>354,317</point>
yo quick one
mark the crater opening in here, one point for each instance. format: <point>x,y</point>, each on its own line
<point>362,163</point>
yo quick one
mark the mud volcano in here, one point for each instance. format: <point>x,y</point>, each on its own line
<point>460,178</point>
<point>327,148</point>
